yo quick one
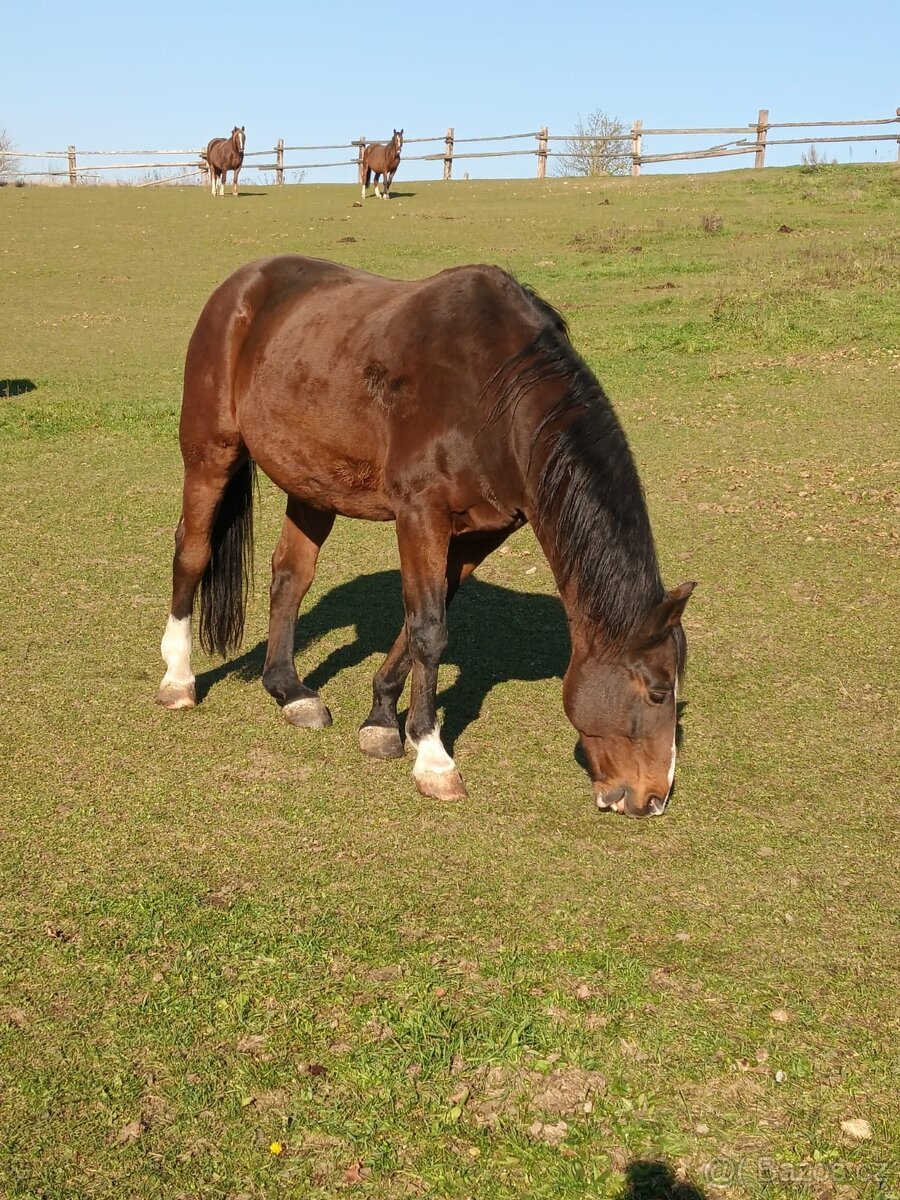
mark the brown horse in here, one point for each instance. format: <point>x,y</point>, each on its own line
<point>457,407</point>
<point>224,155</point>
<point>381,160</point>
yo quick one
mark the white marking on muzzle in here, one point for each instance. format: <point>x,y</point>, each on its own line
<point>674,735</point>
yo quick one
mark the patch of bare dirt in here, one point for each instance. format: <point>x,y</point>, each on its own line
<point>264,766</point>
<point>498,1091</point>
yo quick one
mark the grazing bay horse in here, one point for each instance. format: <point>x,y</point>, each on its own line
<point>381,160</point>
<point>224,155</point>
<point>457,407</point>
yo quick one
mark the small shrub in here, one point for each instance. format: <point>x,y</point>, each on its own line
<point>813,160</point>
<point>712,223</point>
<point>9,164</point>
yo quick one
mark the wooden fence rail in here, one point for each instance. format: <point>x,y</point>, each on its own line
<point>629,145</point>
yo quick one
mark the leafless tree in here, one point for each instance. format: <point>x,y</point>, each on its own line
<point>600,147</point>
<point>9,164</point>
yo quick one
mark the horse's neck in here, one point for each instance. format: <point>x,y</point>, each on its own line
<point>588,534</point>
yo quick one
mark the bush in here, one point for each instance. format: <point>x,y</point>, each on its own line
<point>600,147</point>
<point>9,164</point>
<point>812,160</point>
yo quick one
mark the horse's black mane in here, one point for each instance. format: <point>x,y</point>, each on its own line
<point>588,490</point>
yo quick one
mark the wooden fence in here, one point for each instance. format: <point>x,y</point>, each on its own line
<point>628,146</point>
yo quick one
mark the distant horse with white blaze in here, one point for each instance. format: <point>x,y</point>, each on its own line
<point>380,160</point>
<point>224,155</point>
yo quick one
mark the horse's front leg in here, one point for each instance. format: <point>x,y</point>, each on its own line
<point>423,538</point>
<point>293,569</point>
<point>234,179</point>
<point>379,734</point>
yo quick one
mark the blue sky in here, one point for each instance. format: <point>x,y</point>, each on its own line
<point>170,75</point>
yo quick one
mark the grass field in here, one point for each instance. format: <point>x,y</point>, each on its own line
<point>238,960</point>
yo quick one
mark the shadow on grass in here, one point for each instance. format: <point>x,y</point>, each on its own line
<point>649,1179</point>
<point>16,387</point>
<point>496,635</point>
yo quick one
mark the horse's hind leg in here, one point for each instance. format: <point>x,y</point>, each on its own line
<point>293,568</point>
<point>365,175</point>
<point>379,734</point>
<point>205,487</point>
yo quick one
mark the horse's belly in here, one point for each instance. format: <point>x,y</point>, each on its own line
<point>314,444</point>
<point>323,476</point>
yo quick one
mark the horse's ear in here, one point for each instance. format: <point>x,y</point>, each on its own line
<point>242,129</point>
<point>667,614</point>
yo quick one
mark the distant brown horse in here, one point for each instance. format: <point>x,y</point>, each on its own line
<point>224,155</point>
<point>457,407</point>
<point>381,160</point>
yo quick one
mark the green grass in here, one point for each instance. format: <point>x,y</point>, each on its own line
<point>196,909</point>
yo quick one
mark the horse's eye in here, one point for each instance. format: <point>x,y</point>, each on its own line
<point>658,697</point>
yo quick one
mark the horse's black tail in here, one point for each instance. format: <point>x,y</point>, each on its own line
<point>225,585</point>
<point>367,177</point>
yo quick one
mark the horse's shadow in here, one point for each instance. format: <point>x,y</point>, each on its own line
<point>15,387</point>
<point>496,635</point>
<point>652,1179</point>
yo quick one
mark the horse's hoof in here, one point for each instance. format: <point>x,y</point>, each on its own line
<point>380,741</point>
<point>308,713</point>
<point>441,785</point>
<point>176,695</point>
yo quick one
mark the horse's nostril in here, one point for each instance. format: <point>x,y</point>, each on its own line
<point>656,805</point>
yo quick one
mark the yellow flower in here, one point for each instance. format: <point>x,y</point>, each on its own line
<point>276,1148</point>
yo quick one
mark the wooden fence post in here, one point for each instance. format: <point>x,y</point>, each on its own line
<point>762,128</point>
<point>448,154</point>
<point>362,150</point>
<point>279,161</point>
<point>542,153</point>
<point>636,147</point>
<point>898,140</point>
<point>73,167</point>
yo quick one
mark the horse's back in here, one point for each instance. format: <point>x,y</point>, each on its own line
<point>292,307</point>
<point>350,388</point>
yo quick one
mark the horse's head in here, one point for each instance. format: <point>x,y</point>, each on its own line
<point>237,136</point>
<point>624,707</point>
<point>397,140</point>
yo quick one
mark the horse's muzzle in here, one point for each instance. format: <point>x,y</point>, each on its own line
<point>623,800</point>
